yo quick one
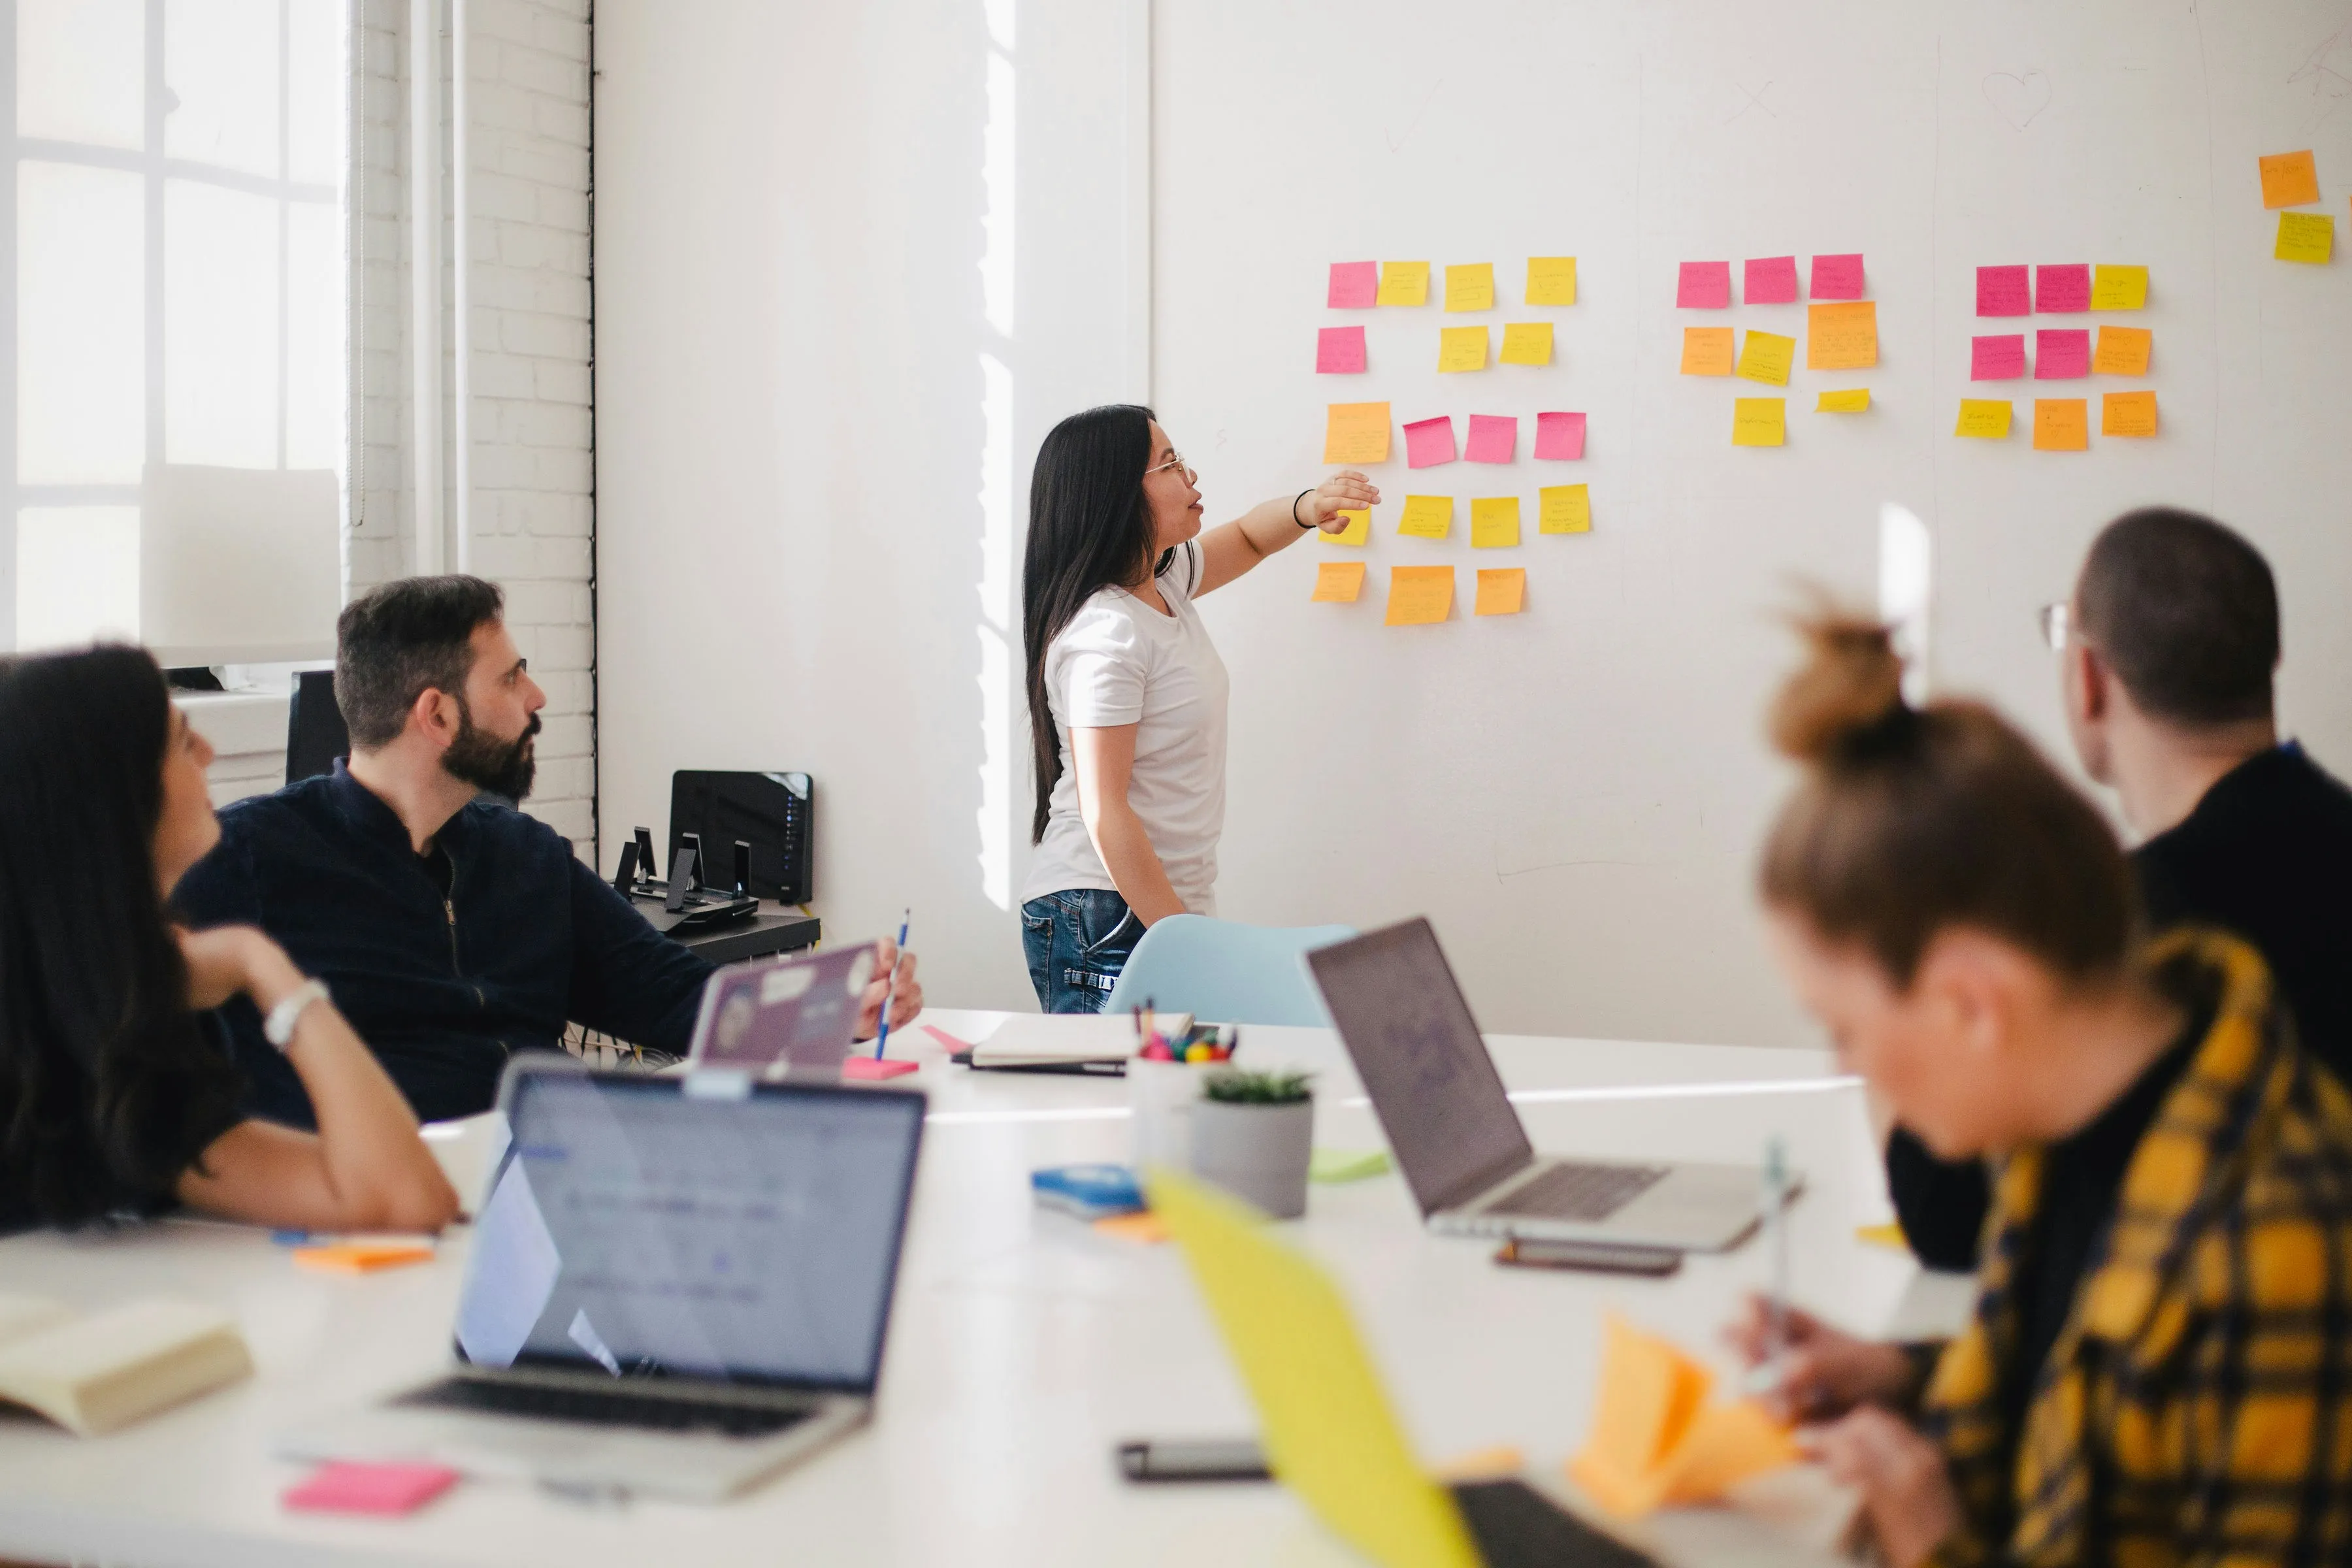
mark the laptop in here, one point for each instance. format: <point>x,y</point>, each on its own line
<point>794,1014</point>
<point>677,1286</point>
<point>1327,1426</point>
<point>1467,1158</point>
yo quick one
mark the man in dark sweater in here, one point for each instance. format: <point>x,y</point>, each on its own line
<point>2168,647</point>
<point>452,930</point>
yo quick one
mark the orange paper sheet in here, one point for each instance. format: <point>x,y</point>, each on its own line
<point>2121,351</point>
<point>2290,179</point>
<point>1501,590</point>
<point>361,1257</point>
<point>1339,583</point>
<point>1655,1441</point>
<point>1356,433</point>
<point>1707,350</point>
<point>2127,413</point>
<point>1842,337</point>
<point>1420,595</point>
<point>2062,424</point>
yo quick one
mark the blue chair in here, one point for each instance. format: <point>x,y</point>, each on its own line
<point>1224,973</point>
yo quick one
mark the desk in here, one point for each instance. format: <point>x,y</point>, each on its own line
<point>1024,1345</point>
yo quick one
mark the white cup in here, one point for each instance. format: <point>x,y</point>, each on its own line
<point>1161,1096</point>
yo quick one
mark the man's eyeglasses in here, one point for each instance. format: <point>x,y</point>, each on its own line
<point>2053,625</point>
<point>1175,460</point>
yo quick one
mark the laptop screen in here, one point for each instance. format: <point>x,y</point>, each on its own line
<point>1418,1053</point>
<point>651,1231</point>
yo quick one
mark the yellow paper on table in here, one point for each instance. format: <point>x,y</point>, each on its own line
<point>1564,509</point>
<point>1654,1440</point>
<point>1551,280</point>
<point>1759,422</point>
<point>1337,583</point>
<point>1403,283</point>
<point>2121,351</point>
<point>1707,350</point>
<point>1420,595</point>
<point>1356,433</point>
<point>2062,424</point>
<point>1527,343</point>
<point>1855,400</point>
<point>1461,348</point>
<point>1357,531</point>
<point>1987,418</point>
<point>1501,590</point>
<point>1886,1233</point>
<point>1427,517</point>
<point>1842,337</point>
<point>2127,413</point>
<point>1766,357</point>
<point>1470,287</point>
<point>2305,236</point>
<point>2118,287</point>
<point>1493,523</point>
<point>2290,179</point>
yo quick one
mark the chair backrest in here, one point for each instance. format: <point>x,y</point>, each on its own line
<point>315,734</point>
<point>1224,973</point>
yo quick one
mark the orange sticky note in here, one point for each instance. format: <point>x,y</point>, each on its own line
<point>1655,1441</point>
<point>1842,337</point>
<point>1501,590</point>
<point>1420,595</point>
<point>2127,413</point>
<point>1356,433</point>
<point>1707,350</point>
<point>2290,179</point>
<point>1493,523</point>
<point>1759,421</point>
<point>362,1257</point>
<point>2062,424</point>
<point>1564,509</point>
<point>1357,531</point>
<point>1148,1229</point>
<point>1337,583</point>
<point>1986,418</point>
<point>2121,351</point>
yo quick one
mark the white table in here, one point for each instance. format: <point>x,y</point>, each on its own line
<point>1024,1345</point>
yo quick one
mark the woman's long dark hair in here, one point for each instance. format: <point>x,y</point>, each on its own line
<point>103,1081</point>
<point>1089,528</point>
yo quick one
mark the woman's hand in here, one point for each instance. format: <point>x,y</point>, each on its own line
<point>228,961</point>
<point>1346,491</point>
<point>1825,1371</point>
<point>1907,1492</point>
<point>905,995</point>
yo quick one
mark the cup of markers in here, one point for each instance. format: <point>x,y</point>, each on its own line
<point>1163,1083</point>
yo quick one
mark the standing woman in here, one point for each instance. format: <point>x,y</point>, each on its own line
<point>1127,695</point>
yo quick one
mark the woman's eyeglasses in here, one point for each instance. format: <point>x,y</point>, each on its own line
<point>2053,625</point>
<point>1175,460</point>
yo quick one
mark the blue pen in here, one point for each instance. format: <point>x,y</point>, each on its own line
<point>883,1038</point>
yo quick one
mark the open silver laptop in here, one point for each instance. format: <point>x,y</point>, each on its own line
<point>1463,1153</point>
<point>677,1285</point>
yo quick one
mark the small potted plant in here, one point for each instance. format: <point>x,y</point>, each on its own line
<point>1253,1135</point>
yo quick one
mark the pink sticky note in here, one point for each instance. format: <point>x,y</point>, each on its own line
<point>2062,289</point>
<point>1493,438</point>
<point>1996,359</point>
<point>1355,285</point>
<point>1771,281</point>
<point>2000,291</point>
<point>1429,442</point>
<point>2061,353</point>
<point>1705,286</point>
<point>370,1489</point>
<point>1339,351</point>
<point>1559,437</point>
<point>954,1045</point>
<point>1837,277</point>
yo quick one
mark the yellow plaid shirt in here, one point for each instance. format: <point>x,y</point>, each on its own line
<point>2197,1405</point>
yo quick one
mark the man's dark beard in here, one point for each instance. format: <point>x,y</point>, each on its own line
<point>481,759</point>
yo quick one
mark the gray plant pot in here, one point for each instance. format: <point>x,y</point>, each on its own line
<point>1258,1153</point>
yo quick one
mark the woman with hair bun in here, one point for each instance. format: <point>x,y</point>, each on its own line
<point>2158,1366</point>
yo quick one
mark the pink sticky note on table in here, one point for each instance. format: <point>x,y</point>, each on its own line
<point>1494,437</point>
<point>1355,285</point>
<point>1339,351</point>
<point>1429,442</point>
<point>2061,353</point>
<point>368,1488</point>
<point>1771,281</point>
<point>1837,277</point>
<point>2001,291</point>
<point>1559,437</point>
<point>1705,286</point>
<point>2062,289</point>
<point>1997,358</point>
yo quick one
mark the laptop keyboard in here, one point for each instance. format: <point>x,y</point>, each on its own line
<point>594,1408</point>
<point>1581,1192</point>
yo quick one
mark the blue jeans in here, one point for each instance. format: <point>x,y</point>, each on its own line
<point>1077,942</point>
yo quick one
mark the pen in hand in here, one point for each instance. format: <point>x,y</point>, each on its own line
<point>890,986</point>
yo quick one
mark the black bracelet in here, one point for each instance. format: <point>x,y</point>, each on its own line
<point>1301,496</point>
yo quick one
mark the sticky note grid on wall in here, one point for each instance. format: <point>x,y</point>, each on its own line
<point>2009,290</point>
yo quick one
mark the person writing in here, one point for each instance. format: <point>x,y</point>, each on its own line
<point>117,1093</point>
<point>2155,1366</point>
<point>1126,694</point>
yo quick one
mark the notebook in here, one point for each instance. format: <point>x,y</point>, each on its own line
<point>1067,1040</point>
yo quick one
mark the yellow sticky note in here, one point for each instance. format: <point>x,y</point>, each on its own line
<point>2121,351</point>
<point>2062,424</point>
<point>1337,583</point>
<point>1759,422</point>
<point>1493,523</point>
<point>1420,595</point>
<point>2305,236</point>
<point>2127,413</point>
<point>1766,357</point>
<point>1855,401</point>
<point>1564,509</point>
<point>1501,590</point>
<point>1356,433</point>
<point>1527,343</point>
<point>1357,531</point>
<point>1461,348</point>
<point>2290,179</point>
<point>1427,517</point>
<point>1403,283</point>
<point>1551,280</point>
<point>1984,417</point>
<point>1887,1234</point>
<point>1842,337</point>
<point>1707,350</point>
<point>1470,287</point>
<point>2118,287</point>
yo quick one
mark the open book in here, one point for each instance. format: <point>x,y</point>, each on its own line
<point>1037,1040</point>
<point>92,1374</point>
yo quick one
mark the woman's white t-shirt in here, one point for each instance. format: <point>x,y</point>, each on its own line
<point>1119,661</point>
